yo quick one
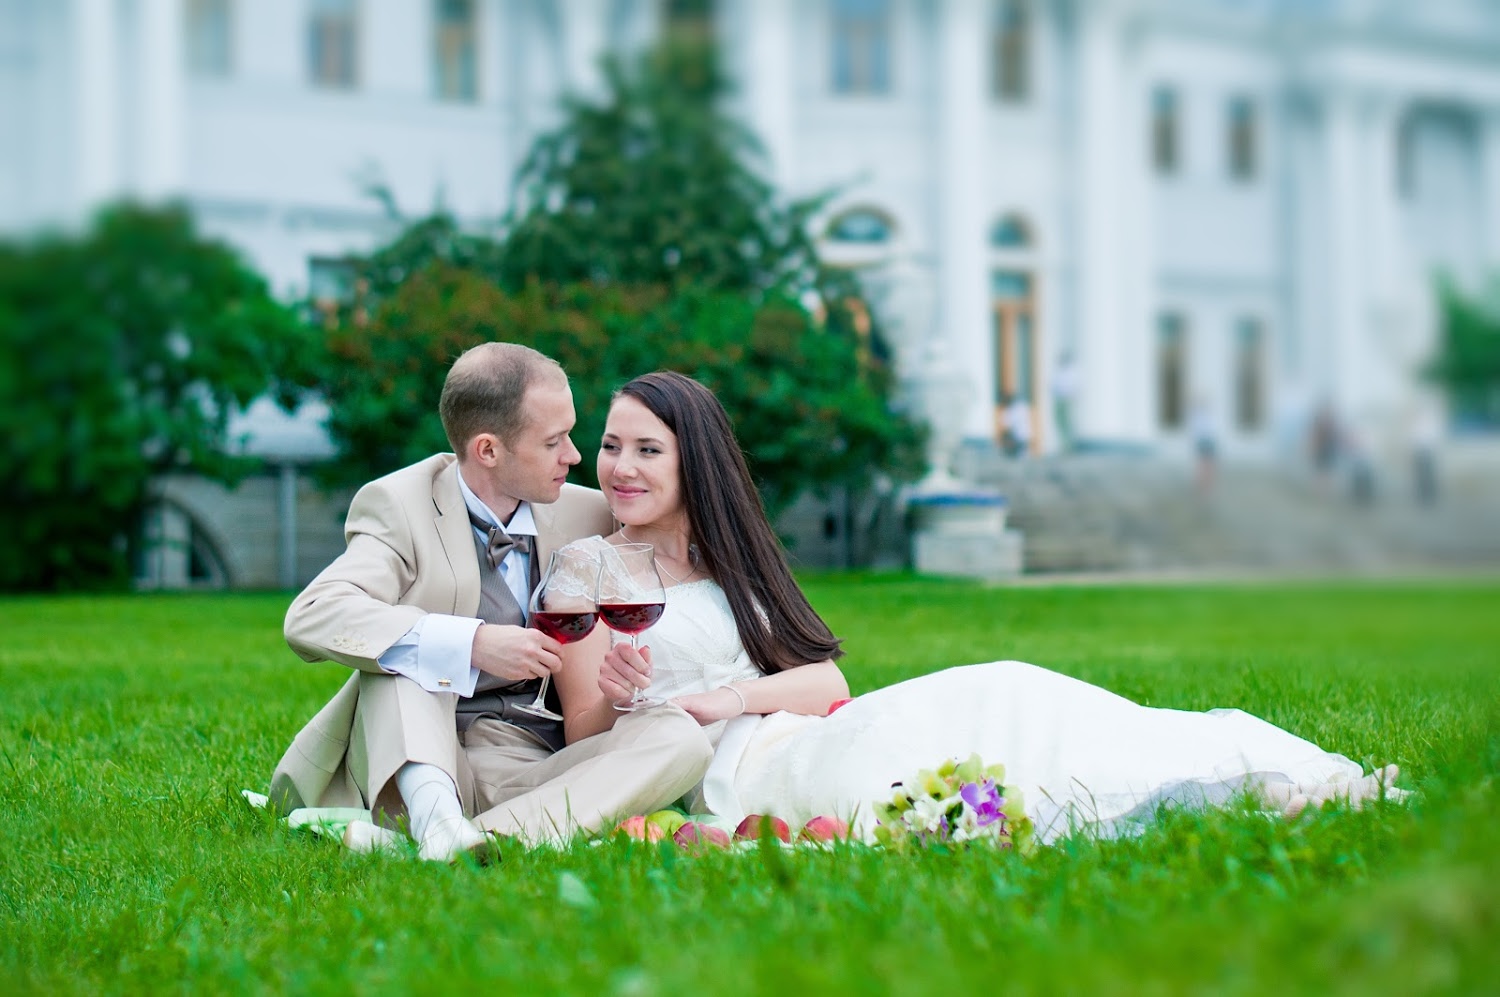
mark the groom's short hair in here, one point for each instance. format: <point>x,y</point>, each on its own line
<point>485,391</point>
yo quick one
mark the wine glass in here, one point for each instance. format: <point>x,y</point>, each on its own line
<point>630,599</point>
<point>563,608</point>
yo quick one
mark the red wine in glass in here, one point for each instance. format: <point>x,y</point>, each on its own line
<point>563,608</point>
<point>631,617</point>
<point>630,599</point>
<point>565,628</point>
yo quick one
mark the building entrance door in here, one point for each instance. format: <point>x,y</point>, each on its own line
<point>1017,405</point>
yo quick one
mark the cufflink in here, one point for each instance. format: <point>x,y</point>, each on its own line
<point>445,683</point>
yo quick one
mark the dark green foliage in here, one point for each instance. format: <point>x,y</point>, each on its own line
<point>1468,357</point>
<point>643,242</point>
<point>656,186</point>
<point>807,402</point>
<point>124,350</point>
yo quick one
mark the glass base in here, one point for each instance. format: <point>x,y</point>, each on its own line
<point>538,711</point>
<point>639,703</point>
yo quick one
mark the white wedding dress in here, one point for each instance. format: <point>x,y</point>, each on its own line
<point>1084,758</point>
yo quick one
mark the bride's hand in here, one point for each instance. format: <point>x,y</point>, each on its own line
<point>707,707</point>
<point>624,670</point>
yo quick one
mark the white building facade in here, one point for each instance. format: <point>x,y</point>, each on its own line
<point>1148,206</point>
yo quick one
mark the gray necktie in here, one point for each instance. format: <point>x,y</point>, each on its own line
<point>499,542</point>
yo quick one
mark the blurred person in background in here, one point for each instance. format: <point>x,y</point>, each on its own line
<point>1204,431</point>
<point>1017,426</point>
<point>1064,388</point>
<point>1361,468</point>
<point>1426,432</point>
<point>1324,442</point>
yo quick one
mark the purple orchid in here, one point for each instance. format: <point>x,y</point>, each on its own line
<point>985,800</point>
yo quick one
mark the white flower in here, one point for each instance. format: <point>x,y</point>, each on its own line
<point>930,812</point>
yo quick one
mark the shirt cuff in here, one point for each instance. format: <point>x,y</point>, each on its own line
<point>437,654</point>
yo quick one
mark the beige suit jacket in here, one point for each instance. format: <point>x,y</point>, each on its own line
<point>409,552</point>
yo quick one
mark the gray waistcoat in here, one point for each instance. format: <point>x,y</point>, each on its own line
<point>495,696</point>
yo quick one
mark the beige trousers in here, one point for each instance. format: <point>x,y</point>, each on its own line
<point>507,779</point>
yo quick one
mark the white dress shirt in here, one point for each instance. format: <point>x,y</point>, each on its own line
<point>437,652</point>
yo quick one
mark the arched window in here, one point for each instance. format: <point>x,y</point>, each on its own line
<point>864,226</point>
<point>1011,232</point>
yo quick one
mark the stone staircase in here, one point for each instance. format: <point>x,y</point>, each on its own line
<point>1101,512</point>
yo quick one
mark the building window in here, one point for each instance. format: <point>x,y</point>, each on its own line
<point>861,46</point>
<point>1011,65</point>
<point>210,46</point>
<point>865,226</point>
<point>454,50</point>
<point>1242,138</point>
<point>693,19</point>
<point>1164,128</point>
<point>1249,375</point>
<point>1011,232</point>
<point>1171,371</point>
<point>333,43</point>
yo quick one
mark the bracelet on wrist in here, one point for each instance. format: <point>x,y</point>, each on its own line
<point>741,697</point>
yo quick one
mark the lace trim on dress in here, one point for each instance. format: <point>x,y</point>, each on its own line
<point>595,547</point>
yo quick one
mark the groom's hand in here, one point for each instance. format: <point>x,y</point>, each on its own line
<point>625,669</point>
<point>515,653</point>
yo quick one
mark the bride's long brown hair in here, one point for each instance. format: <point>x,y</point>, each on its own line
<point>728,523</point>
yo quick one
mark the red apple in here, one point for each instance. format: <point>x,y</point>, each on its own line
<point>637,827</point>
<point>824,829</point>
<point>750,827</point>
<point>696,835</point>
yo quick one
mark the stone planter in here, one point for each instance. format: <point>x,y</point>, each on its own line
<point>963,533</point>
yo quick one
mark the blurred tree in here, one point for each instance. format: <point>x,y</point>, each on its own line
<point>655,185</point>
<point>125,351</point>
<point>643,240</point>
<point>808,404</point>
<point>1467,363</point>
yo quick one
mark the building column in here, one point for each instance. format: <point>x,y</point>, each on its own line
<point>286,516</point>
<point>95,74</point>
<point>169,538</point>
<point>1341,376</point>
<point>1102,404</point>
<point>769,70</point>
<point>1133,257</point>
<point>1382,121</point>
<point>965,334</point>
<point>1389,346</point>
<point>159,71</point>
<point>1490,185</point>
<point>585,27</point>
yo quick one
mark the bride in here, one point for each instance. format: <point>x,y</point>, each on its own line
<point>741,650</point>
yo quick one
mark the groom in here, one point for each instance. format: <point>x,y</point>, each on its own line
<point>426,605</point>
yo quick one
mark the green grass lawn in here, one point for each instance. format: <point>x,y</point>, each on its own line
<point>128,861</point>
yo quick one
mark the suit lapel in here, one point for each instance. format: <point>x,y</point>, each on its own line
<point>545,518</point>
<point>451,523</point>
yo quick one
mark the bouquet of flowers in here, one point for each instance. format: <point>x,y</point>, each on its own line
<point>956,803</point>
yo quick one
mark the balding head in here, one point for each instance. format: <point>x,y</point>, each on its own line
<point>485,392</point>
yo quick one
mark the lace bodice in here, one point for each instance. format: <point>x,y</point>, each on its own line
<point>695,646</point>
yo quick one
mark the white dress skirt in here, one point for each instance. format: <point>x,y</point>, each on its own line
<point>1084,758</point>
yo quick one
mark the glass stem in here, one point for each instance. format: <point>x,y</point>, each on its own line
<point>541,693</point>
<point>635,694</point>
